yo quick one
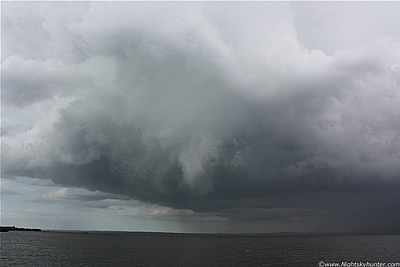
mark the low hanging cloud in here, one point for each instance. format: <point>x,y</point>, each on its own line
<point>200,106</point>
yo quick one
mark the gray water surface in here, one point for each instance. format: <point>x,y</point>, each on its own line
<point>128,249</point>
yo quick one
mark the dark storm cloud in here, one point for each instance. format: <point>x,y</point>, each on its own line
<point>194,107</point>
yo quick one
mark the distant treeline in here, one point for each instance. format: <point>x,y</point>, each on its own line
<point>13,228</point>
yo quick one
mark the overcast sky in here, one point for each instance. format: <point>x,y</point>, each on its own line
<point>201,116</point>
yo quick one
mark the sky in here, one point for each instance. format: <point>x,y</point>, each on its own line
<point>230,117</point>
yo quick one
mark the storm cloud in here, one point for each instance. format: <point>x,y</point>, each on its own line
<point>233,109</point>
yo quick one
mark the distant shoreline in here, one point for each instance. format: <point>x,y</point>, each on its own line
<point>13,228</point>
<point>277,234</point>
<point>282,234</point>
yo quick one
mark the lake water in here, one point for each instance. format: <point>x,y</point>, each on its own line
<point>127,249</point>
